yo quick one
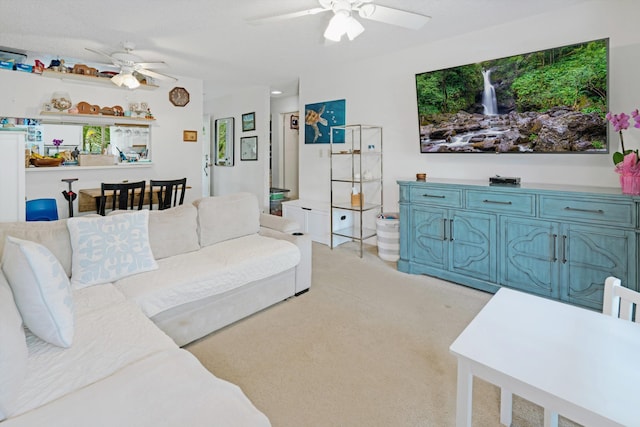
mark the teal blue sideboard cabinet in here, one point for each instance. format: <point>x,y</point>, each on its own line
<point>559,242</point>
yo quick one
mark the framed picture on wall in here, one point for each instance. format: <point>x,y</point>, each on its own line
<point>249,148</point>
<point>248,122</point>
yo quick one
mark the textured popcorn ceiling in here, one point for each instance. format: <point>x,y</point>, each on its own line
<point>210,39</point>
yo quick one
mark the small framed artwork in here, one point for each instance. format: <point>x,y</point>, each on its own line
<point>249,148</point>
<point>293,123</point>
<point>248,122</point>
<point>190,135</point>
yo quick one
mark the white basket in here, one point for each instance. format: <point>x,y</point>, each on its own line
<point>388,236</point>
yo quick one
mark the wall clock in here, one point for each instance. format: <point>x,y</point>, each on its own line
<point>179,96</point>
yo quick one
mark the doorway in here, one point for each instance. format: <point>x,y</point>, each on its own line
<point>290,144</point>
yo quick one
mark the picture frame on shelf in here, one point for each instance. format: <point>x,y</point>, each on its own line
<point>249,148</point>
<point>248,121</point>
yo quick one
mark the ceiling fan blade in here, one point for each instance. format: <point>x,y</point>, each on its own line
<point>397,17</point>
<point>155,75</point>
<point>159,64</point>
<point>285,16</point>
<point>101,53</point>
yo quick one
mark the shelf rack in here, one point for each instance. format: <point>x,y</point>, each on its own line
<point>356,163</point>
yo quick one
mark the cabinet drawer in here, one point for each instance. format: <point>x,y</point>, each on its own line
<point>607,212</point>
<point>490,201</point>
<point>437,196</point>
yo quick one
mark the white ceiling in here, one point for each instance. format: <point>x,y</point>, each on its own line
<point>211,39</point>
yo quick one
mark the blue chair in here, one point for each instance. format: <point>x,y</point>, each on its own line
<point>42,210</point>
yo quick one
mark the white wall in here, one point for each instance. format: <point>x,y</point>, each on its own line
<point>23,95</point>
<point>249,176</point>
<point>382,92</point>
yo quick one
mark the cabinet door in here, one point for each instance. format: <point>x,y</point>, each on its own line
<point>297,214</point>
<point>530,256</point>
<point>588,256</point>
<point>429,246</point>
<point>472,244</point>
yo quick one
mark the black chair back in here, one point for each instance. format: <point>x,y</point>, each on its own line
<point>123,195</point>
<point>170,192</point>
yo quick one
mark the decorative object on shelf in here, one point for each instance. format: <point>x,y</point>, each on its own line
<point>320,117</point>
<point>620,122</point>
<point>46,161</point>
<point>179,96</point>
<point>61,101</point>
<point>189,135</point>
<point>84,69</point>
<point>421,177</point>
<point>248,122</point>
<point>249,148</point>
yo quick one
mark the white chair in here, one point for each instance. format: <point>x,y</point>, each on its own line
<point>619,301</point>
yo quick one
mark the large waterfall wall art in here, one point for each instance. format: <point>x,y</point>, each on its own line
<point>548,101</point>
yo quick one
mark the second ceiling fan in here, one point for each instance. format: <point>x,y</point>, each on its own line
<point>344,23</point>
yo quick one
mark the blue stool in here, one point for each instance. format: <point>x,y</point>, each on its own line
<point>42,210</point>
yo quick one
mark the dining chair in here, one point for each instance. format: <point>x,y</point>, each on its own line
<point>123,195</point>
<point>167,194</point>
<point>619,301</point>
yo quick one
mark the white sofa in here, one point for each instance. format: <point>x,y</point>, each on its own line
<point>106,352</point>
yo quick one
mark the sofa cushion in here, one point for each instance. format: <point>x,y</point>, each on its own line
<point>13,357</point>
<point>111,333</point>
<point>223,218</point>
<point>173,231</point>
<point>41,289</point>
<point>109,248</point>
<point>210,271</point>
<point>52,234</point>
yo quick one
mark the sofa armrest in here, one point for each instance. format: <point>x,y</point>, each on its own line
<point>279,223</point>
<point>303,242</point>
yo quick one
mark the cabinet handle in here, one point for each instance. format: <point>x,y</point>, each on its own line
<point>307,209</point>
<point>554,257</point>
<point>451,230</point>
<point>435,196</point>
<point>597,211</point>
<point>444,230</point>
<point>564,249</point>
<point>497,202</point>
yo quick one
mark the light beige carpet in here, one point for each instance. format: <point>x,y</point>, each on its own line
<point>366,346</point>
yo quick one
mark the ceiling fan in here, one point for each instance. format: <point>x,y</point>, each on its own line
<point>343,21</point>
<point>130,65</point>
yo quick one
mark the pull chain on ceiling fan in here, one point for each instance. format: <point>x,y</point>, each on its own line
<point>343,22</point>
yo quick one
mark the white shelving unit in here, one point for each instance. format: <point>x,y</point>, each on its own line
<point>356,164</point>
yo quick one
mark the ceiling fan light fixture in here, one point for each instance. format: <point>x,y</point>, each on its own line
<point>337,26</point>
<point>126,78</point>
<point>354,28</point>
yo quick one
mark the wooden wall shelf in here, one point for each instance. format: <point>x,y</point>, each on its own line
<point>81,78</point>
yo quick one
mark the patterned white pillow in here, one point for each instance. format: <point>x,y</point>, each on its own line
<point>108,248</point>
<point>41,290</point>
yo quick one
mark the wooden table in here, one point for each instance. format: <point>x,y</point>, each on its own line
<point>579,363</point>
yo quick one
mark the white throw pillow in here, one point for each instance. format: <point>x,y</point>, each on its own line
<point>41,290</point>
<point>105,249</point>
<point>13,356</point>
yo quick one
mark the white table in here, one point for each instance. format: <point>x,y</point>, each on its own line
<point>581,364</point>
